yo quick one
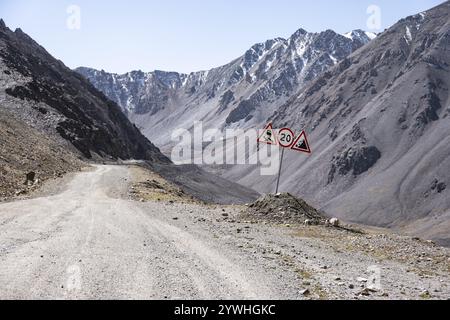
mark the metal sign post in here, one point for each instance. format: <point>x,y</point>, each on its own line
<point>285,138</point>
<point>279,171</point>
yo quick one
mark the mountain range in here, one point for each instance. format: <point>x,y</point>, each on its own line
<point>241,94</point>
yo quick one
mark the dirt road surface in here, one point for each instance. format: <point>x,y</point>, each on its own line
<point>91,241</point>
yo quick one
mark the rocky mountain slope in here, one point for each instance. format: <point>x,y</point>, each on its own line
<point>27,151</point>
<point>378,123</point>
<point>44,93</point>
<point>243,93</point>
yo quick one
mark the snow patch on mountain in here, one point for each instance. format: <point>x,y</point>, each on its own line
<point>360,35</point>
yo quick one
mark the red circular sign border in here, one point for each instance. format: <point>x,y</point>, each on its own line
<point>293,137</point>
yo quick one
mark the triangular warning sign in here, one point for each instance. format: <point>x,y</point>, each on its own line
<point>268,136</point>
<point>301,144</point>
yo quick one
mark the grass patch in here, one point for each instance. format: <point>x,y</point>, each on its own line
<point>320,292</point>
<point>303,274</point>
<point>148,186</point>
<point>425,296</point>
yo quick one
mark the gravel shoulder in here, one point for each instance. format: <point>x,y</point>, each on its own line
<point>119,232</point>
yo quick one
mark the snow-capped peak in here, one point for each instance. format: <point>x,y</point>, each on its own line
<point>361,35</point>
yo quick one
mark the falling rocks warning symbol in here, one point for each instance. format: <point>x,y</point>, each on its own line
<point>301,144</point>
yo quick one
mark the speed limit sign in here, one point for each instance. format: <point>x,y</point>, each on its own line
<point>286,137</point>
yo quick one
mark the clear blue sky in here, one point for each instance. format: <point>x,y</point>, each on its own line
<point>184,35</point>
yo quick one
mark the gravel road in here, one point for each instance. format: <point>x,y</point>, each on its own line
<point>84,243</point>
<point>90,241</point>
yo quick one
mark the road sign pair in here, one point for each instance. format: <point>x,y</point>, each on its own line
<point>285,138</point>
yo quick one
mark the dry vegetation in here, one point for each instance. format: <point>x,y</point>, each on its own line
<point>149,186</point>
<point>425,257</point>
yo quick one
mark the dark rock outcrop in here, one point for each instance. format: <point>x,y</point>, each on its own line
<point>356,161</point>
<point>76,110</point>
